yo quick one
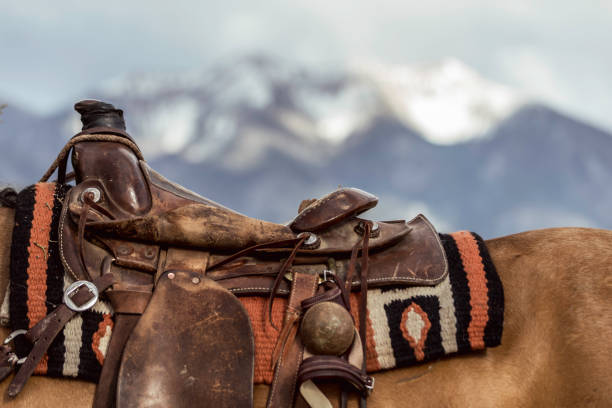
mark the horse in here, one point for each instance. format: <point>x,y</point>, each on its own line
<point>555,348</point>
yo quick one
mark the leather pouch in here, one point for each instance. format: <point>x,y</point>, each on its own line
<point>192,345</point>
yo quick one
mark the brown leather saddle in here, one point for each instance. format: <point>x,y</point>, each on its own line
<point>172,264</point>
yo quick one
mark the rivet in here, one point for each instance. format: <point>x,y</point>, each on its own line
<point>124,250</point>
<point>195,280</point>
<point>94,191</point>
<point>171,275</point>
<point>374,228</point>
<point>312,240</point>
<point>149,253</point>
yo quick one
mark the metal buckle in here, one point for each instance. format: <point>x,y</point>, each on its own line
<point>13,359</point>
<point>73,288</point>
<point>14,335</point>
<point>325,276</point>
<point>369,384</point>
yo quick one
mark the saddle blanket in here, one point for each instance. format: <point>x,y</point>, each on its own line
<point>406,325</point>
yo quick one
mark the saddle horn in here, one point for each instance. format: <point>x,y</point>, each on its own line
<point>99,114</point>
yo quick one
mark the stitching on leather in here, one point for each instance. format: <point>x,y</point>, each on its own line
<point>437,237</point>
<point>416,280</point>
<point>61,236</point>
<point>264,289</point>
<point>300,355</point>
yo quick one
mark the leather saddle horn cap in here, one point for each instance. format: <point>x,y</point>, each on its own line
<point>99,114</point>
<point>333,208</point>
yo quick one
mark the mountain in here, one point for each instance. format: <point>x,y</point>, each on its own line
<point>259,135</point>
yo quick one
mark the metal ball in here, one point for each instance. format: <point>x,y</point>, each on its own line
<point>327,328</point>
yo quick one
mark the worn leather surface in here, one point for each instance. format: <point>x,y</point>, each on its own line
<point>416,259</point>
<point>192,347</point>
<point>333,208</point>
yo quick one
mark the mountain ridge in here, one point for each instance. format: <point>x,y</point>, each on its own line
<point>298,134</point>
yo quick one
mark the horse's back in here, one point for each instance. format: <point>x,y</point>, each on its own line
<point>555,348</point>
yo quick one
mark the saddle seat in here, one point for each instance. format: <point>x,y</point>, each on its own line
<point>402,252</point>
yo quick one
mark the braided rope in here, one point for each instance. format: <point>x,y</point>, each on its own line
<point>89,138</point>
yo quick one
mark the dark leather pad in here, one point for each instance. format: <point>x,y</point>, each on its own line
<point>193,346</point>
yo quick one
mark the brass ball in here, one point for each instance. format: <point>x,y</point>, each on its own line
<point>327,328</point>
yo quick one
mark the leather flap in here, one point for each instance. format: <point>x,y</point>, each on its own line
<point>333,208</point>
<point>193,345</point>
<point>417,259</point>
<point>340,239</point>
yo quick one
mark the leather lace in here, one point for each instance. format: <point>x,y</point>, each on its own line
<point>296,243</point>
<point>324,367</point>
<point>88,205</point>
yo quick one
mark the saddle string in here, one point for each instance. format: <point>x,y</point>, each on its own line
<point>279,277</point>
<point>363,302</point>
<point>244,252</point>
<point>322,367</point>
<point>88,204</point>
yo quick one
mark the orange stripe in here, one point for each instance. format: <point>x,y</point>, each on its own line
<point>265,335</point>
<point>107,322</point>
<point>372,363</point>
<point>37,258</point>
<point>477,282</point>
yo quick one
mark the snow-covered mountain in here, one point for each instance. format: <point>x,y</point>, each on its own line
<point>241,109</point>
<point>446,102</point>
<point>260,135</point>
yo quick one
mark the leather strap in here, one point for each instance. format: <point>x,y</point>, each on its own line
<point>106,390</point>
<point>285,375</point>
<point>8,359</point>
<point>45,331</point>
<point>129,303</point>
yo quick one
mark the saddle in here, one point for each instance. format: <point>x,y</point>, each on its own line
<point>172,263</point>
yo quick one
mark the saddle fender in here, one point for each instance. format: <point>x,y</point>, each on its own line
<point>192,345</point>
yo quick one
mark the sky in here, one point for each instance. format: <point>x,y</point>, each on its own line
<point>559,52</point>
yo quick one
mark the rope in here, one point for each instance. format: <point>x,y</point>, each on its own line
<point>89,138</point>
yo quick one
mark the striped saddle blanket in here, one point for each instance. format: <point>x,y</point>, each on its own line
<point>406,325</point>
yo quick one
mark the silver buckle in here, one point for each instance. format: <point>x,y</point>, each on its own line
<point>73,288</point>
<point>369,384</point>
<point>13,359</point>
<point>325,276</point>
<point>14,335</point>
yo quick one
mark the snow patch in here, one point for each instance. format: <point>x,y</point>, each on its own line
<point>338,113</point>
<point>168,127</point>
<point>447,102</point>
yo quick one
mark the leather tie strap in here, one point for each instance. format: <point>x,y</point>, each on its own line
<point>44,332</point>
<point>285,375</point>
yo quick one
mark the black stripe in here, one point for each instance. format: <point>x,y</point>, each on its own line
<point>89,367</point>
<point>24,214</point>
<point>461,292</point>
<point>55,284</point>
<point>494,328</point>
<point>402,351</point>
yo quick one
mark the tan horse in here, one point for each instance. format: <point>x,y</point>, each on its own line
<point>556,347</point>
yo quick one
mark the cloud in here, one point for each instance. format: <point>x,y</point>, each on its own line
<point>530,70</point>
<point>52,52</point>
